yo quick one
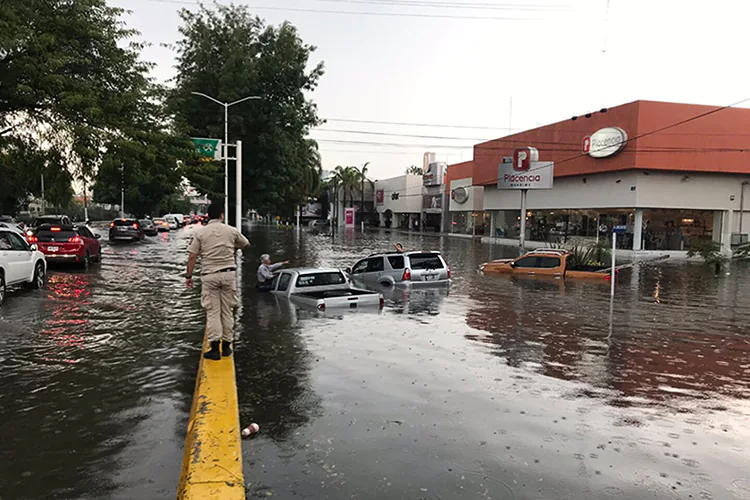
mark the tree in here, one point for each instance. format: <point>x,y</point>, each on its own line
<point>363,178</point>
<point>227,53</point>
<point>414,170</point>
<point>71,82</point>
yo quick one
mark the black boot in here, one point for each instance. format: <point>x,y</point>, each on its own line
<point>214,352</point>
<point>226,348</point>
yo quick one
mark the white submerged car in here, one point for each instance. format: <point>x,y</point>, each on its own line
<point>323,290</point>
<point>20,263</point>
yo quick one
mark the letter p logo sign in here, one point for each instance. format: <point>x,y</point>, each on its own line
<point>522,158</point>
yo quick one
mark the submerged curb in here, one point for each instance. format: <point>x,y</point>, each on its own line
<point>212,463</point>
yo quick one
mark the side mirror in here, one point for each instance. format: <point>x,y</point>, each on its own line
<point>97,236</point>
<point>33,247</point>
<point>348,270</point>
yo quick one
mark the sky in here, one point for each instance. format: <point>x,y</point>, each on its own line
<point>482,67</point>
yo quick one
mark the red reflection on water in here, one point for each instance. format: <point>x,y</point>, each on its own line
<point>68,323</point>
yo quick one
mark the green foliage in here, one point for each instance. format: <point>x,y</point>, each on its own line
<point>229,54</point>
<point>594,254</point>
<point>708,250</point>
<point>415,170</point>
<point>75,96</point>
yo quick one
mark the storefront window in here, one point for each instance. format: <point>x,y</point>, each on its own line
<point>675,229</point>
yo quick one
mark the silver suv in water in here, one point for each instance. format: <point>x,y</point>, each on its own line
<point>396,268</point>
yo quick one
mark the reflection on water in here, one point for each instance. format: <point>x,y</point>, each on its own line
<point>494,387</point>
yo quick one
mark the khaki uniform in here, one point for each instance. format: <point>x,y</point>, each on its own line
<point>216,244</point>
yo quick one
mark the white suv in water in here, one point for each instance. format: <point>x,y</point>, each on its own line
<point>396,268</point>
<point>20,263</point>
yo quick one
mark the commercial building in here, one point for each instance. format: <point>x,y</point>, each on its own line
<point>398,201</point>
<point>671,173</point>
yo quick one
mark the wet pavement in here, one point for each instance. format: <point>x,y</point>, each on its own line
<point>496,388</point>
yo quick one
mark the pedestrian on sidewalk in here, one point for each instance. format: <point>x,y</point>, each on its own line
<point>216,244</point>
<point>266,272</point>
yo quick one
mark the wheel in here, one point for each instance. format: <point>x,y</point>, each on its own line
<point>99,256</point>
<point>40,277</point>
<point>86,261</point>
<point>2,289</point>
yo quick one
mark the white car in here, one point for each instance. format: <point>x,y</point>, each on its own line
<point>20,263</point>
<point>172,222</point>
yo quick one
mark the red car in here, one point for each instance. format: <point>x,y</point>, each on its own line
<point>66,243</point>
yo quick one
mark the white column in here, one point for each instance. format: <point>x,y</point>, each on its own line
<point>638,229</point>
<point>717,231</point>
<point>726,230</point>
<point>493,224</point>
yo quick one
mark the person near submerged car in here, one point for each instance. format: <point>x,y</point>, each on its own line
<point>266,272</point>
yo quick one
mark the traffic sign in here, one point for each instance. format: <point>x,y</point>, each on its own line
<point>619,229</point>
<point>210,149</point>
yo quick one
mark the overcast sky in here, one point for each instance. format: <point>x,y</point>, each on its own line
<point>431,62</point>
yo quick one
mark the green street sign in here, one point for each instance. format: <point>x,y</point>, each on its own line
<point>210,149</point>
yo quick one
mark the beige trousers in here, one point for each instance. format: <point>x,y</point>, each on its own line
<point>219,299</point>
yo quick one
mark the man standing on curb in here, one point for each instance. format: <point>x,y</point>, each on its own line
<point>216,244</point>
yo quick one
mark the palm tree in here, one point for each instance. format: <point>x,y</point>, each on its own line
<point>362,173</point>
<point>415,170</point>
<point>311,181</point>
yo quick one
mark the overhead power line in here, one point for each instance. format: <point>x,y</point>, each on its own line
<point>361,13</point>
<point>459,5</point>
<point>410,124</point>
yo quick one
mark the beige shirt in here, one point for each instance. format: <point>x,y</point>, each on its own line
<point>216,244</point>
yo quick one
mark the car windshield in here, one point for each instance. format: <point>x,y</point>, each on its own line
<point>321,279</point>
<point>47,220</point>
<point>146,223</point>
<point>426,261</point>
<point>55,234</point>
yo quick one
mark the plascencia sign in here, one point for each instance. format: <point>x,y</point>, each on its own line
<point>605,142</point>
<point>540,175</point>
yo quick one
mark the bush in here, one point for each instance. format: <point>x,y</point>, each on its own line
<point>709,251</point>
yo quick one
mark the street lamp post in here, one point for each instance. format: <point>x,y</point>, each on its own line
<point>226,105</point>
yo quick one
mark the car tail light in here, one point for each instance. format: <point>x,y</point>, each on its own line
<point>75,239</point>
<point>111,224</point>
<point>382,302</point>
<point>135,226</point>
<point>32,239</point>
<point>449,272</point>
<point>321,307</point>
<point>407,275</point>
<point>55,229</point>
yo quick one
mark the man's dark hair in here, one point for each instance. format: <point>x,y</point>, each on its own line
<point>215,210</point>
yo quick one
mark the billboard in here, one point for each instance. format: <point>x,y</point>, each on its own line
<point>380,196</point>
<point>433,203</point>
<point>349,217</point>
<point>434,174</point>
<point>312,210</point>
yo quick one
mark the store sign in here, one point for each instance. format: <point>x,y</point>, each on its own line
<point>433,175</point>
<point>605,142</point>
<point>349,217</point>
<point>433,204</point>
<point>380,196</point>
<point>460,195</point>
<point>209,149</point>
<point>522,158</point>
<point>539,175</point>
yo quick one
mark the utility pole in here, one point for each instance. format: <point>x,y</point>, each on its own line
<point>43,209</point>
<point>85,202</point>
<point>122,191</point>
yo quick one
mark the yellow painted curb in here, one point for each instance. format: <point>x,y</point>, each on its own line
<point>212,464</point>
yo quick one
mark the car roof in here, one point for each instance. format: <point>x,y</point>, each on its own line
<point>549,251</point>
<point>408,253</point>
<point>313,270</point>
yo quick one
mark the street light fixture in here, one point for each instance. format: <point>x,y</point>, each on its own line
<point>226,105</point>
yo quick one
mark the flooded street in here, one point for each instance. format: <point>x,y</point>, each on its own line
<point>497,388</point>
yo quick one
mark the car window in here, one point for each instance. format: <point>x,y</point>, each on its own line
<point>549,262</point>
<point>360,267</point>
<point>16,242</point>
<point>126,222</point>
<point>396,261</point>
<point>321,279</point>
<point>569,262</point>
<point>425,261</point>
<point>5,241</point>
<point>274,281</point>
<point>375,265</point>
<point>59,234</point>
<point>527,262</point>
<point>284,282</point>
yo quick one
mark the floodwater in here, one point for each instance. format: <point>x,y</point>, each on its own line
<point>496,388</point>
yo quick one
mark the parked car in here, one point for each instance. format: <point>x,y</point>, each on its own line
<point>67,243</point>
<point>323,289</point>
<point>125,230</point>
<point>390,269</point>
<point>172,222</point>
<point>149,228</point>
<point>20,263</point>
<point>161,225</point>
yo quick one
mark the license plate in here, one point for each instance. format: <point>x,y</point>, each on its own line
<point>53,249</point>
<point>121,229</point>
<point>430,277</point>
